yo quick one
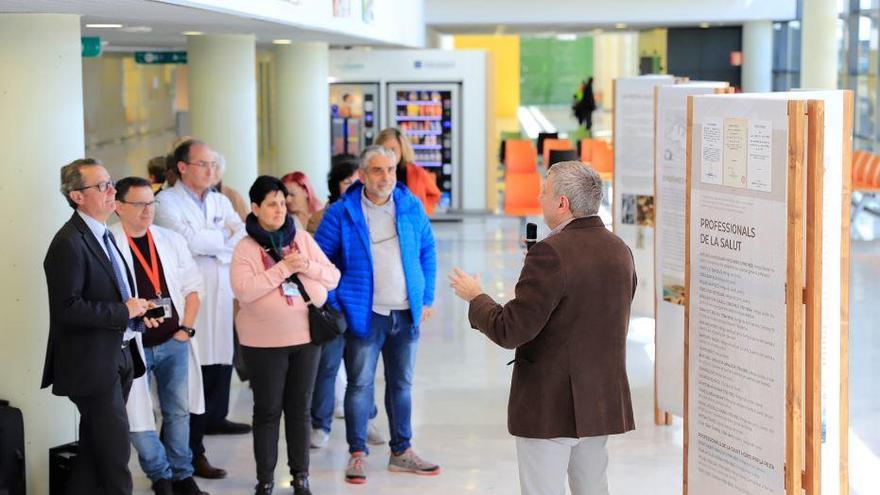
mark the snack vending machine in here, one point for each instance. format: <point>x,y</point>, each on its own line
<point>354,117</point>
<point>429,115</point>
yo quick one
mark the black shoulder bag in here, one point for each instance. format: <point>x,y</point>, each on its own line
<point>325,323</point>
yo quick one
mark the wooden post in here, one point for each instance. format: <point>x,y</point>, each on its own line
<point>794,289</point>
<point>687,280</point>
<point>844,291</point>
<point>813,321</point>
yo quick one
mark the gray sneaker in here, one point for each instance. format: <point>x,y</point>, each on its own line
<point>409,462</point>
<point>374,434</point>
<point>356,471</point>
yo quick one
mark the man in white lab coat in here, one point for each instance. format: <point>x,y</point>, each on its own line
<point>163,271</point>
<point>212,228</point>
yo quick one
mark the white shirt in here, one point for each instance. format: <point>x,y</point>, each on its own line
<point>98,230</point>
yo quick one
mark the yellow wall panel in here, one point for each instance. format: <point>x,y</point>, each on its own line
<point>504,51</point>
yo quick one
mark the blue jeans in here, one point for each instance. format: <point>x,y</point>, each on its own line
<point>323,399</point>
<point>171,457</point>
<point>393,336</point>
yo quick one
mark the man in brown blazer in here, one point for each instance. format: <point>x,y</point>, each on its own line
<point>568,323</point>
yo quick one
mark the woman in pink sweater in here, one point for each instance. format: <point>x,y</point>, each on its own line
<point>273,328</point>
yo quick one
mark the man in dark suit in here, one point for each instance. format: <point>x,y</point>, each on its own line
<point>568,323</point>
<point>93,317</point>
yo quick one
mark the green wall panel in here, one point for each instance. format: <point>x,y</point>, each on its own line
<point>551,69</point>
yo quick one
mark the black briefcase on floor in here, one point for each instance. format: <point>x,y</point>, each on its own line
<point>12,477</point>
<point>61,459</point>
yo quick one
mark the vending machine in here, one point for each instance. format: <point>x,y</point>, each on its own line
<point>354,117</point>
<point>429,115</point>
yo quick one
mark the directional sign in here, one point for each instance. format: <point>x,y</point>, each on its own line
<point>160,57</point>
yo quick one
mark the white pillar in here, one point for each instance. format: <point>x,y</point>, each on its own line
<point>223,101</point>
<point>819,45</point>
<point>757,69</point>
<point>41,129</point>
<point>303,112</point>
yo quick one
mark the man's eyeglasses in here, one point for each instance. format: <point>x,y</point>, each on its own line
<point>101,186</point>
<point>203,164</point>
<point>141,205</point>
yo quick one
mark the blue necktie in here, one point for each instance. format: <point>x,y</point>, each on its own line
<point>135,324</point>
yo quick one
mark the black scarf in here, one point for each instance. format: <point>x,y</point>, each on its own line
<point>273,242</point>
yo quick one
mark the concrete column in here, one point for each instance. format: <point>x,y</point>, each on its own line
<point>303,112</point>
<point>757,69</point>
<point>223,101</point>
<point>819,45</point>
<point>41,129</point>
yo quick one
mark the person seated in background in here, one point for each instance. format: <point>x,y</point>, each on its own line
<point>330,382</point>
<point>156,168</point>
<point>273,327</point>
<point>420,182</point>
<point>164,270</point>
<point>302,202</point>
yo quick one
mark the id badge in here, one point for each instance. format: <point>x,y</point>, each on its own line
<point>165,304</point>
<point>290,289</point>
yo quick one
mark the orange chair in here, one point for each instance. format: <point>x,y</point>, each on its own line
<point>555,144</point>
<point>860,162</point>
<point>521,194</point>
<point>866,173</point>
<point>520,156</point>
<point>587,147</point>
<point>603,159</point>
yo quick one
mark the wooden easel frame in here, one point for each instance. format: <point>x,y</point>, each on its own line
<point>803,421</point>
<point>794,295</point>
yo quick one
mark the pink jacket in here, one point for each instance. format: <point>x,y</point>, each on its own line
<point>265,318</point>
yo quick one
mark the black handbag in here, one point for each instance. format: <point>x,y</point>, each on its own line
<point>325,323</point>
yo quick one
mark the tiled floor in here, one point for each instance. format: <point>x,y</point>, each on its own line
<point>461,384</point>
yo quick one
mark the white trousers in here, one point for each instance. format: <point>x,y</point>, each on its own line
<point>543,464</point>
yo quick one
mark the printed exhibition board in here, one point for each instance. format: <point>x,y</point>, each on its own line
<point>766,277</point>
<point>633,201</point>
<point>744,185</point>
<point>670,121</point>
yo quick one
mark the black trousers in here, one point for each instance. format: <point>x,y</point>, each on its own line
<point>104,449</point>
<point>216,379</point>
<point>283,379</point>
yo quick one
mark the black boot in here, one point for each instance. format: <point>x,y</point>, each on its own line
<point>187,486</point>
<point>264,488</point>
<point>162,487</point>
<point>301,484</point>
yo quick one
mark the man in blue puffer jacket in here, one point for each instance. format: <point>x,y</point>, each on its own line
<point>379,237</point>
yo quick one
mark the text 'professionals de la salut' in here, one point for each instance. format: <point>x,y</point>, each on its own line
<point>725,235</point>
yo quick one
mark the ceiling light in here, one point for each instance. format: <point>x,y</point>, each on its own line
<point>282,42</point>
<point>104,26</point>
<point>137,29</point>
<point>620,25</point>
<point>193,33</point>
<point>704,25</point>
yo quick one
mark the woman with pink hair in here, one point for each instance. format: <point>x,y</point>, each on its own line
<point>302,201</point>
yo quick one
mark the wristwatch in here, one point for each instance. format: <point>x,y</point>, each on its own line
<point>189,331</point>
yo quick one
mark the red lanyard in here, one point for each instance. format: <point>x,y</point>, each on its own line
<point>152,271</point>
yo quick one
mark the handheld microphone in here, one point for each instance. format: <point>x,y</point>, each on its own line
<point>531,235</point>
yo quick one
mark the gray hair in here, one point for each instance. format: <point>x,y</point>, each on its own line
<point>72,179</point>
<point>221,162</point>
<point>373,151</point>
<point>580,184</point>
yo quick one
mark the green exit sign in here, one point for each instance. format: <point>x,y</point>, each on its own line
<point>91,46</point>
<point>160,57</point>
